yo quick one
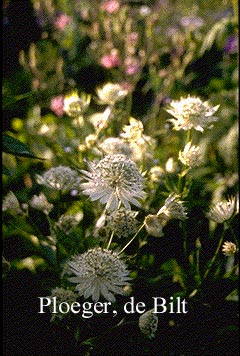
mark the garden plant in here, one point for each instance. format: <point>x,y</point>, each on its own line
<point>120,179</point>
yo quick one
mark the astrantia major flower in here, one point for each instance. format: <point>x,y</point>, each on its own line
<point>11,204</point>
<point>153,225</point>
<point>222,211</point>
<point>192,112</point>
<point>111,93</point>
<point>40,202</point>
<point>229,248</point>
<point>67,223</point>
<point>115,145</point>
<point>122,222</point>
<point>148,324</point>
<point>62,296</point>
<point>98,272</point>
<point>75,105</point>
<point>114,179</point>
<point>59,178</point>
<point>173,209</point>
<point>191,155</point>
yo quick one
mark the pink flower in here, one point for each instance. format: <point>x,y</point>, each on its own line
<point>57,105</point>
<point>110,60</point>
<point>132,66</point>
<point>110,6</point>
<point>61,22</point>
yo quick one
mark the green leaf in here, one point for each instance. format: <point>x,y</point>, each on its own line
<point>14,146</point>
<point>5,171</point>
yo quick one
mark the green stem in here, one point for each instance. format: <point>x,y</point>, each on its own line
<point>183,225</point>
<point>193,293</point>
<point>189,136</point>
<point>110,240</point>
<point>214,256</point>
<point>141,227</point>
<point>233,234</point>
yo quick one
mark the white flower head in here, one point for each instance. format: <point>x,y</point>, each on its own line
<point>115,145</point>
<point>153,225</point>
<point>62,295</point>
<point>98,272</point>
<point>114,179</point>
<point>100,120</point>
<point>156,174</point>
<point>222,211</point>
<point>192,112</point>
<point>40,202</point>
<point>123,222</point>
<point>75,105</point>
<point>191,155</point>
<point>173,208</point>
<point>134,131</point>
<point>111,93</point>
<point>11,204</point>
<point>229,248</point>
<point>171,166</point>
<point>67,223</point>
<point>148,323</point>
<point>59,178</point>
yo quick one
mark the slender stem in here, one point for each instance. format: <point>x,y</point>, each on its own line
<point>110,240</point>
<point>183,224</point>
<point>196,290</point>
<point>189,136</point>
<point>233,234</point>
<point>197,260</point>
<point>141,227</point>
<point>214,256</point>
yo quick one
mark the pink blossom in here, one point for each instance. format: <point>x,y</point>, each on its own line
<point>110,60</point>
<point>61,22</point>
<point>132,66</point>
<point>57,105</point>
<point>110,6</point>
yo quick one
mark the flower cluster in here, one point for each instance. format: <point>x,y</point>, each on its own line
<point>173,208</point>
<point>222,211</point>
<point>40,202</point>
<point>11,204</point>
<point>122,222</point>
<point>191,155</point>
<point>112,180</point>
<point>192,112</point>
<point>229,248</point>
<point>111,93</point>
<point>98,272</point>
<point>60,178</point>
<point>61,295</point>
<point>148,324</point>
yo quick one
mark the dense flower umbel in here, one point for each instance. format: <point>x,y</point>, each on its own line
<point>229,248</point>
<point>190,156</point>
<point>60,178</point>
<point>153,225</point>
<point>11,204</point>
<point>173,209</point>
<point>111,93</point>
<point>148,323</point>
<point>123,222</point>
<point>222,211</point>
<point>40,202</point>
<point>62,295</point>
<point>112,180</point>
<point>75,105</point>
<point>67,223</point>
<point>192,112</point>
<point>98,272</point>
